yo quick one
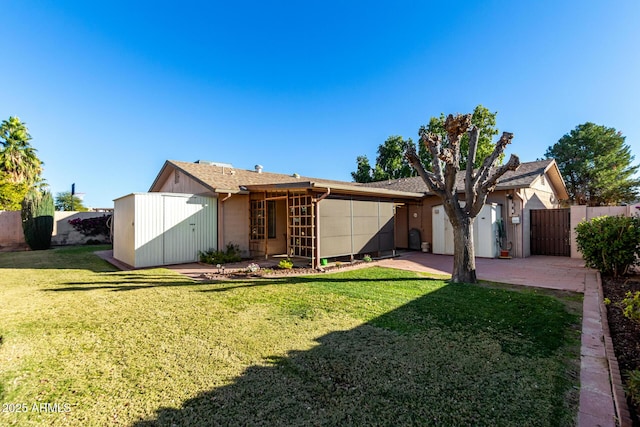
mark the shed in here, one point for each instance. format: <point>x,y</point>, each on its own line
<point>152,229</point>
<point>485,231</point>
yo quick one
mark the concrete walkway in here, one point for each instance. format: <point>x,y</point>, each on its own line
<point>596,397</point>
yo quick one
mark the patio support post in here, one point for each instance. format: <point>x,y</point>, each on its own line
<point>315,262</point>
<point>266,227</point>
<point>288,215</point>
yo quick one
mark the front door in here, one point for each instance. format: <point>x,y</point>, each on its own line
<point>402,226</point>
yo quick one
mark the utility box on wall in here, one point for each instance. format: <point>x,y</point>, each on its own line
<point>485,231</point>
<point>152,229</point>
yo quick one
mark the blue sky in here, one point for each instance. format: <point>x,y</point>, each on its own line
<point>110,90</point>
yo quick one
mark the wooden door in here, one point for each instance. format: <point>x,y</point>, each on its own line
<point>550,232</point>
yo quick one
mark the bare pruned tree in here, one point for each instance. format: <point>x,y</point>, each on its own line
<point>462,205</point>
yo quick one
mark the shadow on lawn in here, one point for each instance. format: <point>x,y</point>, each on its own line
<point>58,258</point>
<point>412,366</point>
<point>128,282</point>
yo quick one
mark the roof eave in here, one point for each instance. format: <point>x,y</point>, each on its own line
<point>183,171</point>
<point>558,181</point>
<point>162,170</point>
<point>323,186</point>
<point>365,190</point>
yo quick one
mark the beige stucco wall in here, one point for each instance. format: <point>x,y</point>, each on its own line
<point>233,225</point>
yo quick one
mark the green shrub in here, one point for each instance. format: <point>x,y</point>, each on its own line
<point>37,219</point>
<point>367,258</point>
<point>633,385</point>
<point>285,264</point>
<point>609,243</point>
<point>631,306</point>
<point>231,254</point>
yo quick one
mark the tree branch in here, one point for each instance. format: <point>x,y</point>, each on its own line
<point>428,177</point>
<point>483,173</point>
<point>456,127</point>
<point>474,134</point>
<point>490,184</point>
<point>434,145</point>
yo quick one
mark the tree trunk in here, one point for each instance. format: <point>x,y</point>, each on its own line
<point>464,261</point>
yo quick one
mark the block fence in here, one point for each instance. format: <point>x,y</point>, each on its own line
<point>580,213</point>
<point>11,235</point>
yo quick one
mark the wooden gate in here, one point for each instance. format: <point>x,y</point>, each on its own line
<point>551,232</point>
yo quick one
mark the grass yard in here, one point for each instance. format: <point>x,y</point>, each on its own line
<point>82,344</point>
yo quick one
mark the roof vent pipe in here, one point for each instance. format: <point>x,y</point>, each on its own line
<point>258,168</point>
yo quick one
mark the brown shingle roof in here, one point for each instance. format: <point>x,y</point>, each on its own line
<point>218,177</point>
<point>223,179</point>
<point>523,177</point>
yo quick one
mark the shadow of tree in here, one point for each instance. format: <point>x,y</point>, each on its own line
<point>379,374</point>
<point>127,282</point>
<point>59,258</point>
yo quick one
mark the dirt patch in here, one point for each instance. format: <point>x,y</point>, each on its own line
<point>625,333</point>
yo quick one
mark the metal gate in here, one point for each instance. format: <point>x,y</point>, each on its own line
<point>550,232</point>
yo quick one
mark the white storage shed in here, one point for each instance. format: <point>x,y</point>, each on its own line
<point>151,229</point>
<point>485,231</point>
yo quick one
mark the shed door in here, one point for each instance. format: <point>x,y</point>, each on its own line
<point>550,232</point>
<point>189,226</point>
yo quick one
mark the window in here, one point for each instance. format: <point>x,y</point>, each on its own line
<point>258,219</point>
<point>271,219</point>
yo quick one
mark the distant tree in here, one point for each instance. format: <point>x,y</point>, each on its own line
<point>596,165</point>
<point>446,158</point>
<point>11,193</point>
<point>390,162</point>
<point>66,202</point>
<point>481,118</point>
<point>363,172</point>
<point>18,159</point>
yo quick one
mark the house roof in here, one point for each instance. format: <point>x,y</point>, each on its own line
<point>226,179</point>
<point>523,177</point>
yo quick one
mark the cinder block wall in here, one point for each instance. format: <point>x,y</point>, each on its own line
<point>581,213</point>
<point>11,229</point>
<point>11,234</point>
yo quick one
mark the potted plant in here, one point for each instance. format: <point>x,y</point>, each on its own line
<point>501,237</point>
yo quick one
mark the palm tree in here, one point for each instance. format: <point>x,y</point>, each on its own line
<point>18,158</point>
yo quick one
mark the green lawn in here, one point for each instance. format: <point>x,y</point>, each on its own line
<point>365,347</point>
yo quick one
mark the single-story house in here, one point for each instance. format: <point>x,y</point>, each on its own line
<point>199,206</point>
<point>533,186</point>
